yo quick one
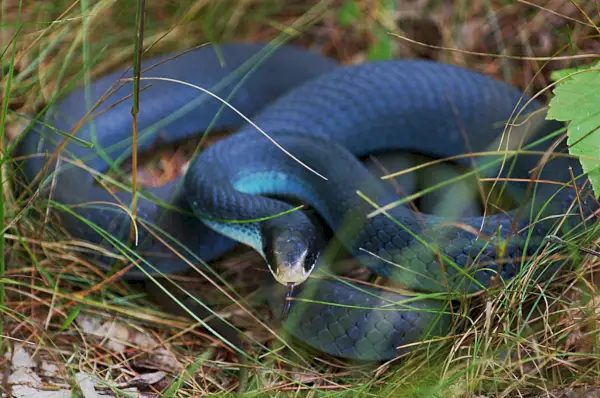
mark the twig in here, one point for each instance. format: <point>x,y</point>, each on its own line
<point>555,239</point>
<point>135,108</point>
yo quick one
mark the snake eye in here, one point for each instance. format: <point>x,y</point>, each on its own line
<point>290,254</point>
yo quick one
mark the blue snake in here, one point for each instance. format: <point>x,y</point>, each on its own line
<point>320,118</point>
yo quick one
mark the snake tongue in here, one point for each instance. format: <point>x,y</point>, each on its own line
<point>288,301</point>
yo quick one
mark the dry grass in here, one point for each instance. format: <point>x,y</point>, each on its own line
<point>65,311</point>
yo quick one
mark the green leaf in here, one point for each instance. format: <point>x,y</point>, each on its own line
<point>349,13</point>
<point>72,315</point>
<point>556,75</point>
<point>381,49</point>
<point>577,102</point>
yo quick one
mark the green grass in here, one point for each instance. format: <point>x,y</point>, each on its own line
<point>548,329</point>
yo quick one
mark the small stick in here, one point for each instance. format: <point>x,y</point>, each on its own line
<point>562,242</point>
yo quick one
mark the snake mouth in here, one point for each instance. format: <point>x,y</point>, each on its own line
<point>288,274</point>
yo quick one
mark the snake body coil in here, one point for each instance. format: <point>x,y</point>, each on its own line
<point>326,116</point>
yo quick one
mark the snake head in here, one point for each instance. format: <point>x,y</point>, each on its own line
<point>291,252</point>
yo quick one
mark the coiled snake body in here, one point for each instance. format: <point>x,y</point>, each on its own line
<point>326,116</point>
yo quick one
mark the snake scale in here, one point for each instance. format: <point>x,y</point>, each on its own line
<point>327,116</point>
